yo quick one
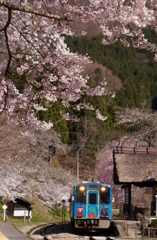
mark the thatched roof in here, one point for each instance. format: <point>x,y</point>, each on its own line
<point>138,168</point>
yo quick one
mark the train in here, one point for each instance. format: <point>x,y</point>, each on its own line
<point>91,205</point>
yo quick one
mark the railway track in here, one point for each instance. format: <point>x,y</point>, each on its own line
<point>39,232</point>
<point>64,231</point>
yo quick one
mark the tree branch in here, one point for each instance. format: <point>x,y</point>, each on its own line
<point>30,10</point>
<point>7,42</point>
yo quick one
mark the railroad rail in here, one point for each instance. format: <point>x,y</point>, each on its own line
<point>49,231</point>
<point>40,229</point>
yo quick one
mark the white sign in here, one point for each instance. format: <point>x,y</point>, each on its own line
<point>4,207</point>
<point>22,213</point>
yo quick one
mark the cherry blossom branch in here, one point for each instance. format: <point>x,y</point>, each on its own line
<point>32,11</point>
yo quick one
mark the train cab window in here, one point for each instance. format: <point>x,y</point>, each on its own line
<point>92,198</point>
<point>104,194</point>
<point>81,194</point>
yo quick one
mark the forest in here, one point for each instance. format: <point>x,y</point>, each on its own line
<point>45,83</point>
<point>138,72</point>
<point>136,68</point>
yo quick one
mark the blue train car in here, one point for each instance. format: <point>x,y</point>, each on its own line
<point>91,205</point>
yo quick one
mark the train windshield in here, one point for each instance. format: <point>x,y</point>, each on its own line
<point>104,194</point>
<point>92,198</point>
<point>81,194</point>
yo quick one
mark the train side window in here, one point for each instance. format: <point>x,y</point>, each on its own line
<point>105,195</point>
<point>92,198</point>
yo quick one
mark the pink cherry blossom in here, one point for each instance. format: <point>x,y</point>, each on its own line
<point>33,47</point>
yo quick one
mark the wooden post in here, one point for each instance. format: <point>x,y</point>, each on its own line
<point>130,207</point>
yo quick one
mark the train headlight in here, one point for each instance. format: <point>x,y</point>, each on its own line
<point>103,189</point>
<point>82,188</point>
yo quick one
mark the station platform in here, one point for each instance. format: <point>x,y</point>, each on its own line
<point>2,237</point>
<point>128,229</point>
<point>9,232</point>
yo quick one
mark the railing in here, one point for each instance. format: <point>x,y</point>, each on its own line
<point>149,232</point>
<point>134,150</point>
<point>152,232</point>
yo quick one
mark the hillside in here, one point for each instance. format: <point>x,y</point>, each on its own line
<point>25,169</point>
<point>98,72</point>
<point>135,67</point>
<point>40,72</point>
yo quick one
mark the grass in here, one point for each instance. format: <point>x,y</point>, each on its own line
<point>54,215</point>
<point>40,214</point>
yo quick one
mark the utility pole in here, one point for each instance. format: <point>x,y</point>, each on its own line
<point>77,160</point>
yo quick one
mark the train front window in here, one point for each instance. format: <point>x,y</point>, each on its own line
<point>81,194</point>
<point>92,198</point>
<point>104,194</point>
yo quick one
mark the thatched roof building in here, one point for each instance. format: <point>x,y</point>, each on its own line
<point>134,166</point>
<point>137,166</point>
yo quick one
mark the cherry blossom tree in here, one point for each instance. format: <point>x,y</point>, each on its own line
<point>104,173</point>
<point>141,125</point>
<point>33,51</point>
<point>24,171</point>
